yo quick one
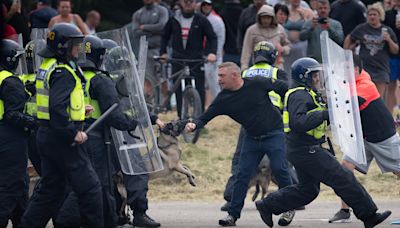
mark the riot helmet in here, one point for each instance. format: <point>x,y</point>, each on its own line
<point>265,52</point>
<point>10,54</point>
<point>109,44</point>
<point>65,42</point>
<point>302,70</point>
<point>95,51</point>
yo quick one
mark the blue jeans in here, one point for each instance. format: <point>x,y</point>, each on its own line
<point>253,150</point>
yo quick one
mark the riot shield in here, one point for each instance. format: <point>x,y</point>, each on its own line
<point>38,37</point>
<point>344,115</point>
<point>137,150</point>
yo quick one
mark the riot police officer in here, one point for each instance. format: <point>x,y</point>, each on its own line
<point>13,135</point>
<point>101,94</point>
<point>305,120</point>
<point>29,80</point>
<point>61,114</point>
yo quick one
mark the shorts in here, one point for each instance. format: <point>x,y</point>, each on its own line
<point>386,154</point>
<point>394,69</point>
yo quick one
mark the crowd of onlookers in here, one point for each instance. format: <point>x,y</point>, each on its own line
<point>293,26</point>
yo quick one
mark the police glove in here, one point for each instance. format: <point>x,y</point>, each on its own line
<point>21,120</point>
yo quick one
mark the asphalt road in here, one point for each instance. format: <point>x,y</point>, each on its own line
<point>203,214</point>
<point>198,214</point>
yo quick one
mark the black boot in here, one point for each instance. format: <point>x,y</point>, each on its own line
<point>143,220</point>
<point>376,219</point>
<point>265,213</point>
<point>226,206</point>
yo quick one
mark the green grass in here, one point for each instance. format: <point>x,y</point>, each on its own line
<point>210,160</point>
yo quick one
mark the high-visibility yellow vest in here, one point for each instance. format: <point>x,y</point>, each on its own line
<point>30,105</point>
<point>268,71</point>
<point>88,100</point>
<point>76,109</point>
<point>317,132</point>
<point>3,75</point>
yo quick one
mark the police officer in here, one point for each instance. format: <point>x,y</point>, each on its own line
<point>13,137</point>
<point>101,94</point>
<point>305,120</point>
<point>264,56</point>
<point>136,185</point>
<point>29,80</point>
<point>61,112</point>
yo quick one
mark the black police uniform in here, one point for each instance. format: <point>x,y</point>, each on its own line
<point>13,151</point>
<point>102,89</point>
<point>315,165</point>
<point>62,162</point>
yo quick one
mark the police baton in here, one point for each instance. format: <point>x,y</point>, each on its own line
<point>99,120</point>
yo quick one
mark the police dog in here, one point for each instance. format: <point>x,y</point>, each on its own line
<point>262,179</point>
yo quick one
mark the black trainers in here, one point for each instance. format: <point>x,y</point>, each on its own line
<point>265,214</point>
<point>229,220</point>
<point>376,219</point>
<point>341,216</point>
<point>143,220</point>
<point>286,218</point>
<point>226,206</point>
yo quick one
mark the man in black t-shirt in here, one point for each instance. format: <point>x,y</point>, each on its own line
<point>246,101</point>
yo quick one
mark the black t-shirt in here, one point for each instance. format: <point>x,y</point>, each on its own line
<point>250,106</point>
<point>348,13</point>
<point>390,20</point>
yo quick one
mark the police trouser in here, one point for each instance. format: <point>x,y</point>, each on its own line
<point>315,165</point>
<point>33,153</point>
<point>13,182</point>
<point>61,163</point>
<point>235,167</point>
<point>69,215</point>
<point>137,187</point>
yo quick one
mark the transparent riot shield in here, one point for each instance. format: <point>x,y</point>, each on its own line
<point>137,150</point>
<point>38,37</point>
<point>344,115</point>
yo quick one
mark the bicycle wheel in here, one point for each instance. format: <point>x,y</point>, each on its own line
<point>152,97</point>
<point>191,108</point>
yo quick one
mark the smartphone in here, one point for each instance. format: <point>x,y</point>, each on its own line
<point>322,20</point>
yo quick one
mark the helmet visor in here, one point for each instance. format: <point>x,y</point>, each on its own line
<point>77,49</point>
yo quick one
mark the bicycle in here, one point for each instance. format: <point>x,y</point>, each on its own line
<point>191,102</point>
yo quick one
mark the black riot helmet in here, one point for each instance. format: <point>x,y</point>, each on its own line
<point>94,50</point>
<point>61,40</point>
<point>265,52</point>
<point>10,54</point>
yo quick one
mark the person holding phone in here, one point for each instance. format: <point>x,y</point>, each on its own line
<point>312,29</point>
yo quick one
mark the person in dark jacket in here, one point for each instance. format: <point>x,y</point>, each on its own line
<point>187,31</point>
<point>246,101</point>
<point>41,16</point>
<point>305,119</point>
<point>229,13</point>
<point>381,140</point>
<point>13,136</point>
